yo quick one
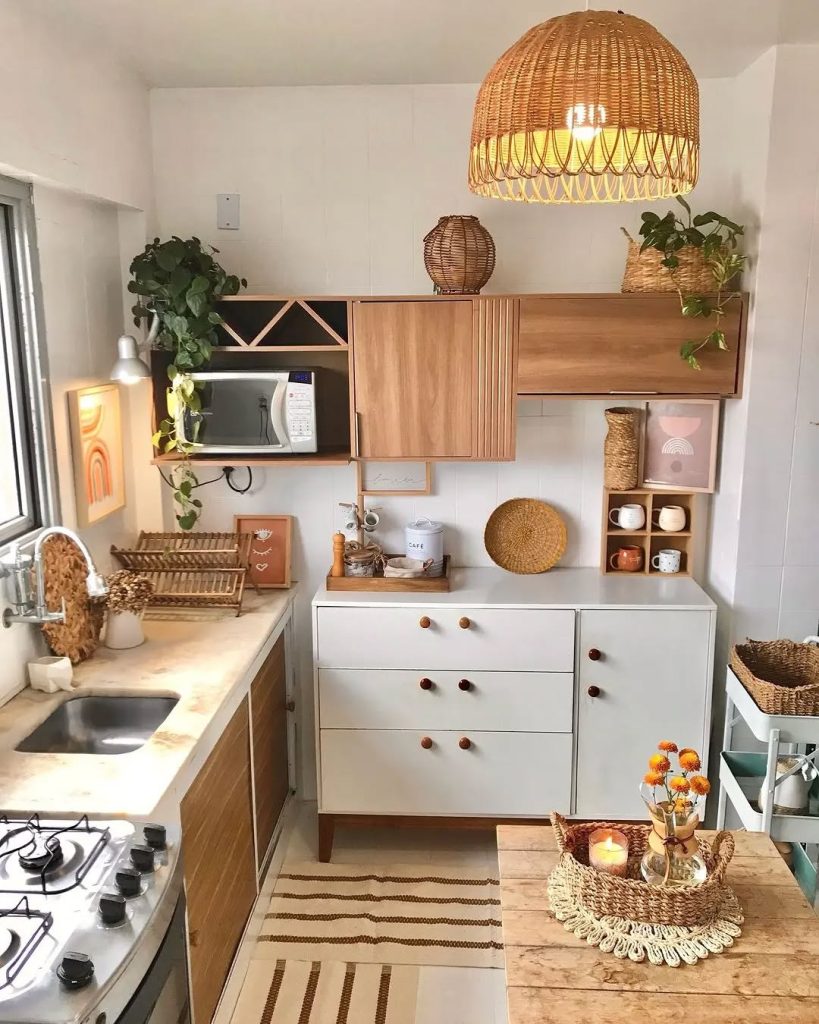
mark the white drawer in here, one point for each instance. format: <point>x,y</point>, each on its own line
<point>502,639</point>
<point>406,699</point>
<point>389,772</point>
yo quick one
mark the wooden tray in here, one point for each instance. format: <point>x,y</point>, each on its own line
<point>392,584</point>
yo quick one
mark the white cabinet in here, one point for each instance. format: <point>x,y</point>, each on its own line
<point>651,682</point>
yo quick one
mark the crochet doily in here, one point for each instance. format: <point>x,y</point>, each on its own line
<point>657,943</point>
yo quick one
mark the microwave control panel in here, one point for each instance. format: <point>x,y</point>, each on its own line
<point>300,407</point>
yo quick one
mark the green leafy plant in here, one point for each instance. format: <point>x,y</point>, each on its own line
<point>718,238</point>
<point>179,283</point>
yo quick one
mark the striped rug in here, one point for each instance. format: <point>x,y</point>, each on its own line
<point>326,992</point>
<point>398,914</point>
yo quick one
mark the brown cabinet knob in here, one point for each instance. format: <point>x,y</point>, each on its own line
<point>594,654</point>
<point>193,939</point>
<point>425,622</point>
<point>426,742</point>
<point>464,622</point>
<point>464,743</point>
<point>464,684</point>
<point>290,705</point>
<point>426,684</point>
<point>593,691</point>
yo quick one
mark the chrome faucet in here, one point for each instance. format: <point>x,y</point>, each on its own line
<point>25,580</point>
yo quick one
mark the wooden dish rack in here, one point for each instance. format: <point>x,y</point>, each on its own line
<point>191,570</point>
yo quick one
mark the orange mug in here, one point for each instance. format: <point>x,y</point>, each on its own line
<point>627,559</point>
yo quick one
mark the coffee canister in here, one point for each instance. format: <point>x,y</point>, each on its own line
<point>425,541</point>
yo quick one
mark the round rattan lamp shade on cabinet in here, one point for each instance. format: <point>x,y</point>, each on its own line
<point>459,254</point>
<point>595,106</point>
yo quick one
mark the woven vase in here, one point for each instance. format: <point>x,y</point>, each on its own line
<point>459,255</point>
<point>621,451</point>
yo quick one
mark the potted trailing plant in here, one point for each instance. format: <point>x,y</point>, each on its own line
<point>178,283</point>
<point>717,239</point>
<point>128,595</point>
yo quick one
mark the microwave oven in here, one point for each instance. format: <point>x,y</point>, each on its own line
<point>271,412</point>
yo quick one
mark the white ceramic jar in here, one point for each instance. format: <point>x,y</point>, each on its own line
<point>425,541</point>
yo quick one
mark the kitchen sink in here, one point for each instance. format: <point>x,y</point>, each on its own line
<point>99,725</point>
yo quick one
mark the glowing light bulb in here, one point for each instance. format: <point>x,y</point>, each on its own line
<point>585,121</point>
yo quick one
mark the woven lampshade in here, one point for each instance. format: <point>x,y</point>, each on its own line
<point>594,106</point>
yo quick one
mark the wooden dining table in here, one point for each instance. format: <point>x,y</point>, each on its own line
<point>769,976</point>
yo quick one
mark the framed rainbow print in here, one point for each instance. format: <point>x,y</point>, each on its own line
<point>680,445</point>
<point>96,449</point>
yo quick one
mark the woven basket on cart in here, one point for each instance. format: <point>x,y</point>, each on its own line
<point>781,675</point>
<point>631,897</point>
<point>645,272</point>
<point>459,255</point>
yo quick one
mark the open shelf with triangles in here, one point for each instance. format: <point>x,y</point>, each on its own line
<point>263,323</point>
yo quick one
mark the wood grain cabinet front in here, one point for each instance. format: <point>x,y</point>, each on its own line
<point>268,702</point>
<point>219,862</point>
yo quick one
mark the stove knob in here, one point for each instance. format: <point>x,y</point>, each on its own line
<point>112,908</point>
<point>129,881</point>
<point>155,836</point>
<point>76,970</point>
<point>142,857</point>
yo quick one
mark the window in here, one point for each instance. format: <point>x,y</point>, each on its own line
<point>26,475</point>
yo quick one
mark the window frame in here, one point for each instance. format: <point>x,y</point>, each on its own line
<point>27,365</point>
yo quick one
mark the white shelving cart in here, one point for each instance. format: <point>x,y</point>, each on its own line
<point>743,773</point>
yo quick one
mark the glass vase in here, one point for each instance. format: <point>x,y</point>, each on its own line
<point>672,856</point>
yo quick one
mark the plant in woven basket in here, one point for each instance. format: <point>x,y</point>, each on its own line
<point>717,238</point>
<point>672,856</point>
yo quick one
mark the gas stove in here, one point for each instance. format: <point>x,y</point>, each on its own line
<point>85,906</point>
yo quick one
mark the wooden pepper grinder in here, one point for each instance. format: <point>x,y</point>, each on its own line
<point>338,555</point>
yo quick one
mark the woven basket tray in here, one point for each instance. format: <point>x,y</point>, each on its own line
<point>632,898</point>
<point>782,676</point>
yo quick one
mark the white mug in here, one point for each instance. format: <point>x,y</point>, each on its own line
<point>628,517</point>
<point>667,560</point>
<point>671,518</point>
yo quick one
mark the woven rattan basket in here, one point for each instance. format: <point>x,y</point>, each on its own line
<point>645,272</point>
<point>524,535</point>
<point>621,449</point>
<point>782,676</point>
<point>631,897</point>
<point>459,254</point>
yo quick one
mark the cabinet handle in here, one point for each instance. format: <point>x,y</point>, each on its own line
<point>464,684</point>
<point>426,742</point>
<point>193,939</point>
<point>357,419</point>
<point>464,743</point>
<point>425,622</point>
<point>290,705</point>
<point>426,684</point>
<point>464,622</point>
<point>593,691</point>
<point>594,654</point>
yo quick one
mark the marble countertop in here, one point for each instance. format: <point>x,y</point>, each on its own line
<point>207,662</point>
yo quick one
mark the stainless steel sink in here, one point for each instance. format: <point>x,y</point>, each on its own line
<point>99,725</point>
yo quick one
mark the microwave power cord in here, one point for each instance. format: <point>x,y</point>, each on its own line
<point>226,475</point>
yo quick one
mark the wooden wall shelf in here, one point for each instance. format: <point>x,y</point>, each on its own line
<point>329,457</point>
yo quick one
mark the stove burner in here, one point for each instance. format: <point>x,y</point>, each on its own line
<point>43,853</point>
<point>9,944</point>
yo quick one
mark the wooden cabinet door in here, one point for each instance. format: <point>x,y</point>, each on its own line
<point>621,344</point>
<point>414,379</point>
<point>218,861</point>
<point>653,681</point>
<point>268,702</point>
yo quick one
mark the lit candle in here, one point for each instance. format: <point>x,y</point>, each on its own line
<point>608,851</point>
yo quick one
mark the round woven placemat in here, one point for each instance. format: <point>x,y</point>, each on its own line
<point>660,944</point>
<point>65,574</point>
<point>524,535</point>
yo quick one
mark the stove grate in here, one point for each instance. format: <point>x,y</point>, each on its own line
<point>33,829</point>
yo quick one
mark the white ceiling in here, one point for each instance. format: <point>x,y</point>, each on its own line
<point>347,42</point>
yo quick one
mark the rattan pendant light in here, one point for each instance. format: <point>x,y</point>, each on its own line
<point>590,107</point>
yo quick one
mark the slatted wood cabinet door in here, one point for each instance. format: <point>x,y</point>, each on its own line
<point>219,862</point>
<point>268,701</point>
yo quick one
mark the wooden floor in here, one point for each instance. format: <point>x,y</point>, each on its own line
<point>771,976</point>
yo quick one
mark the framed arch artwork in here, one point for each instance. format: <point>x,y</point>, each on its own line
<point>97,453</point>
<point>680,442</point>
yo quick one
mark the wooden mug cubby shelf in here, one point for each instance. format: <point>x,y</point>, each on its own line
<point>650,539</point>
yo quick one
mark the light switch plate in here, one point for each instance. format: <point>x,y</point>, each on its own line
<point>227,211</point>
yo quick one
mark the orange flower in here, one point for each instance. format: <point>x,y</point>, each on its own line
<point>678,784</point>
<point>700,785</point>
<point>653,778</point>
<point>659,763</point>
<point>667,746</point>
<point>690,761</point>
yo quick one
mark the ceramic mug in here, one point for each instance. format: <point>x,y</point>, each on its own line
<point>669,518</point>
<point>667,560</point>
<point>627,559</point>
<point>628,517</point>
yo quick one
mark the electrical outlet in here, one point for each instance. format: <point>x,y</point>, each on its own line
<point>227,211</point>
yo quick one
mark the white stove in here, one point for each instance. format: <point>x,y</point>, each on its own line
<point>86,914</point>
